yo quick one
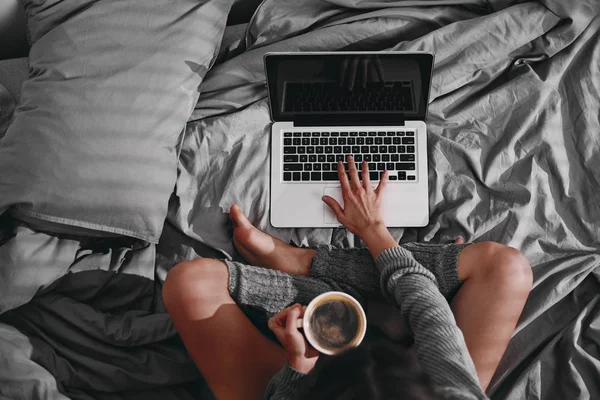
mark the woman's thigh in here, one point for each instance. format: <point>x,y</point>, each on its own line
<point>235,358</point>
<point>497,280</point>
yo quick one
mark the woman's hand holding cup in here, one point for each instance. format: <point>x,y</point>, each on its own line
<point>332,323</point>
<point>300,354</point>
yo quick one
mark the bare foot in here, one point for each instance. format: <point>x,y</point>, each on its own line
<point>459,240</point>
<point>263,250</point>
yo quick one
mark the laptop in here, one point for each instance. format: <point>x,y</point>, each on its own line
<point>328,105</point>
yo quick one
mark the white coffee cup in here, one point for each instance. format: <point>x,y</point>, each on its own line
<point>327,299</point>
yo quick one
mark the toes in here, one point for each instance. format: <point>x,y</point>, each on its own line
<point>237,217</point>
<point>233,211</point>
<point>460,240</point>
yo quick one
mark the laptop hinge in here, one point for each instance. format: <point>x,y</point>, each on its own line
<point>357,120</point>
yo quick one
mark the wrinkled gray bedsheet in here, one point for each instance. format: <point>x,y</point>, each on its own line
<point>514,151</point>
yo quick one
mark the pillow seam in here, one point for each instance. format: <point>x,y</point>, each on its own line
<point>27,17</point>
<point>16,211</point>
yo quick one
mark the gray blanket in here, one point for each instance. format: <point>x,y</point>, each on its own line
<point>514,157</point>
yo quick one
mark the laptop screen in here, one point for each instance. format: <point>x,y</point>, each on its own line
<point>349,87</point>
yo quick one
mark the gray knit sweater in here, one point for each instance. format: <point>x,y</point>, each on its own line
<point>439,343</point>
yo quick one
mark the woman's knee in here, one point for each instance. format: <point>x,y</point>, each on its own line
<point>195,279</point>
<point>507,266</point>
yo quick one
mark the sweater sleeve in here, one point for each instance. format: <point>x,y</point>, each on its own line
<point>439,343</point>
<point>284,385</point>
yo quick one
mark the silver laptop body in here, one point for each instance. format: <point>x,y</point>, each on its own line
<point>328,105</point>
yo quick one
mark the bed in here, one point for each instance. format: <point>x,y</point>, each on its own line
<point>514,157</point>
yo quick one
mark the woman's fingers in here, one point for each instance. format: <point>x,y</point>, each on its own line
<point>273,326</point>
<point>276,322</point>
<point>285,327</point>
<point>353,173</point>
<point>382,183</point>
<point>343,179</point>
<point>278,317</point>
<point>366,179</point>
<point>335,207</point>
<point>290,327</point>
<point>280,322</point>
<point>295,338</point>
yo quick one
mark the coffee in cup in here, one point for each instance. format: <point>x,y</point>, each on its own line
<point>334,322</point>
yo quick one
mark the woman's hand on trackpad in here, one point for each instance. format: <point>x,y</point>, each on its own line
<point>362,213</point>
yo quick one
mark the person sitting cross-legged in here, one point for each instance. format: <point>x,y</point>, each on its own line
<point>459,301</point>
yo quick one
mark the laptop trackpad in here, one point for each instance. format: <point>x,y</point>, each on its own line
<point>328,215</point>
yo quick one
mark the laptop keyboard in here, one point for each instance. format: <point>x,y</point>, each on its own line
<point>313,156</point>
<point>329,96</point>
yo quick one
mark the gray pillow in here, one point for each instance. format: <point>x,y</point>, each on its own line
<point>111,85</point>
<point>7,107</point>
<point>44,15</point>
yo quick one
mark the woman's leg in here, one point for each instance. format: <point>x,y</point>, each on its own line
<point>235,359</point>
<point>496,280</point>
<point>204,297</point>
